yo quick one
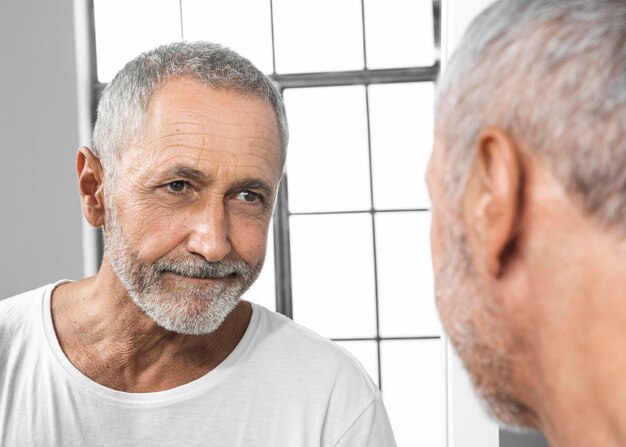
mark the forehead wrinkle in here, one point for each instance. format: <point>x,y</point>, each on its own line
<point>267,164</point>
<point>200,118</point>
<point>240,138</point>
<point>161,140</point>
<point>218,132</point>
<point>214,121</point>
<point>265,168</point>
<point>206,121</point>
<point>169,149</point>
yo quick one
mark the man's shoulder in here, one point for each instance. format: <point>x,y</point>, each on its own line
<point>16,311</point>
<point>300,347</point>
<point>286,333</point>
<point>319,378</point>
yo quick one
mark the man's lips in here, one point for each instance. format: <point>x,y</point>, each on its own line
<point>199,278</point>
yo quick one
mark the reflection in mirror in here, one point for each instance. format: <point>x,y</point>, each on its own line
<point>328,161</point>
<point>366,352</point>
<point>332,269</point>
<point>242,25</point>
<point>405,279</point>
<point>409,42</point>
<point>117,23</point>
<point>318,36</point>
<point>413,388</point>
<point>401,129</point>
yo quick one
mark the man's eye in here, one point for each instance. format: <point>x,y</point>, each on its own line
<point>178,186</point>
<point>248,196</point>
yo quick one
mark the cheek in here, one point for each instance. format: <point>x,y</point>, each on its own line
<point>153,233</point>
<point>444,281</point>
<point>249,240</point>
<point>436,241</point>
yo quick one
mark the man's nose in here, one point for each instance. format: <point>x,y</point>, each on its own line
<point>209,235</point>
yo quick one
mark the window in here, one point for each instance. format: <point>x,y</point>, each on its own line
<point>350,255</point>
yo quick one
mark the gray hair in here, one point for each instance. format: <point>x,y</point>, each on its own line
<point>552,73</point>
<point>122,106</point>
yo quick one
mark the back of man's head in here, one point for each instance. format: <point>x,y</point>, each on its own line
<point>528,180</point>
<point>553,74</point>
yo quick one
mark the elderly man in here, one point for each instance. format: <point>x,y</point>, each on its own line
<point>528,183</point>
<point>158,348</point>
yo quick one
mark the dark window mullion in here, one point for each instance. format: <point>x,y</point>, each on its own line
<point>273,37</point>
<point>363,30</point>
<point>437,27</point>
<point>357,77</point>
<point>414,337</point>
<point>282,252</point>
<point>182,30</point>
<point>371,211</point>
<point>373,217</point>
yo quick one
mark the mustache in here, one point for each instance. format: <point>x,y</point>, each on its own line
<point>198,268</point>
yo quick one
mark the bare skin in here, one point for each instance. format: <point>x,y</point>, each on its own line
<point>111,341</point>
<point>200,182</point>
<point>550,295</point>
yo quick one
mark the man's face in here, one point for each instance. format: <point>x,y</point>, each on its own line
<point>189,209</point>
<point>465,303</point>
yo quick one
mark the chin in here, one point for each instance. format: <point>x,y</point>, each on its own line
<point>479,335</point>
<point>186,312</point>
<point>491,373</point>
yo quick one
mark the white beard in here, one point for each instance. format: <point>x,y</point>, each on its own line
<point>474,326</point>
<point>183,306</point>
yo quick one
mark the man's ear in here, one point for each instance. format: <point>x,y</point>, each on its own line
<point>497,188</point>
<point>91,186</point>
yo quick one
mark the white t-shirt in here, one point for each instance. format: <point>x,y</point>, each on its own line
<point>281,386</point>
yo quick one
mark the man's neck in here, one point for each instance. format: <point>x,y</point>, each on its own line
<point>110,340</point>
<point>581,424</point>
<point>581,367</point>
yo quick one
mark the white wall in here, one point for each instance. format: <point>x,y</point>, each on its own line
<point>40,219</point>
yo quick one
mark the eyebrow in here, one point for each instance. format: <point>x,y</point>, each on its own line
<point>186,172</point>
<point>254,183</point>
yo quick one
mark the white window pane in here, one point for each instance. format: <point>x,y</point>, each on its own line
<point>405,279</point>
<point>332,274</point>
<point>242,25</point>
<point>321,35</point>
<point>399,33</point>
<point>263,291</point>
<point>366,353</point>
<point>125,29</point>
<point>401,129</point>
<point>413,390</point>
<point>328,161</point>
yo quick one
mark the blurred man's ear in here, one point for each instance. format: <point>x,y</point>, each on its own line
<point>492,205</point>
<point>90,186</point>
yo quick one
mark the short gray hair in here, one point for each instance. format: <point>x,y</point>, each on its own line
<point>552,73</point>
<point>122,106</point>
